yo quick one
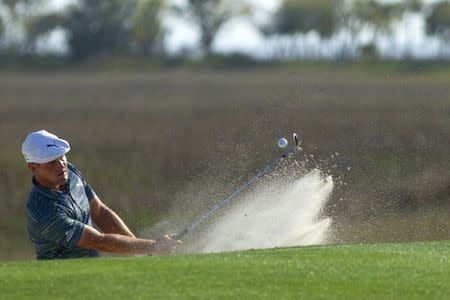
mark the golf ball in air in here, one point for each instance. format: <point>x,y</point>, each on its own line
<point>282,143</point>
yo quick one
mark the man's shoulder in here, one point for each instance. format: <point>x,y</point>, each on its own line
<point>36,198</point>
<point>38,205</point>
<point>78,184</point>
<point>73,169</point>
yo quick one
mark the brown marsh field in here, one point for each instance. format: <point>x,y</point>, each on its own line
<point>159,142</point>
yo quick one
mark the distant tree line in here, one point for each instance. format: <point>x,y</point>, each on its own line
<point>135,27</point>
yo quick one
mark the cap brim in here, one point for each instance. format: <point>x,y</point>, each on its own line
<point>56,153</point>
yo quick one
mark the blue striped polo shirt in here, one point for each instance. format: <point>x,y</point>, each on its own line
<point>56,219</point>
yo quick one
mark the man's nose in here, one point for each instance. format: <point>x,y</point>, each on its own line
<point>62,163</point>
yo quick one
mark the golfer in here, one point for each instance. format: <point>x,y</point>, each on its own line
<point>62,209</point>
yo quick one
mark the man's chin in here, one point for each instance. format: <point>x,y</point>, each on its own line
<point>62,180</point>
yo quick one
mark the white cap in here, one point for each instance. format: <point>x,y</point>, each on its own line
<point>42,146</point>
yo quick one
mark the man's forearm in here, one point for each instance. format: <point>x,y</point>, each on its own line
<point>117,243</point>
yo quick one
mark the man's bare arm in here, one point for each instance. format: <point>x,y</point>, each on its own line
<point>117,243</point>
<point>107,220</point>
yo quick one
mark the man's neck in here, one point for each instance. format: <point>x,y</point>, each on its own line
<point>44,183</point>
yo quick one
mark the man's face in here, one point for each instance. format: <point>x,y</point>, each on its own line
<point>51,174</point>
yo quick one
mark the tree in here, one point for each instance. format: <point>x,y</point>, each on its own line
<point>98,27</point>
<point>14,14</point>
<point>2,30</point>
<point>299,17</point>
<point>105,27</point>
<point>210,15</point>
<point>146,29</point>
<point>413,5</point>
<point>39,26</point>
<point>302,16</point>
<point>374,16</point>
<point>438,21</point>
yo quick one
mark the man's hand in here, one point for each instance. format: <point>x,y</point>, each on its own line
<point>165,245</point>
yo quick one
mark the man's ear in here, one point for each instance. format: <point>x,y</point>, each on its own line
<point>32,166</point>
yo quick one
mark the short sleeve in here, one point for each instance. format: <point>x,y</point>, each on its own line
<point>60,229</point>
<point>90,194</point>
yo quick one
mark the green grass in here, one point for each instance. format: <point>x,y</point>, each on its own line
<point>393,271</point>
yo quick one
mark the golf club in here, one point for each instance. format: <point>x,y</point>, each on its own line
<point>234,194</point>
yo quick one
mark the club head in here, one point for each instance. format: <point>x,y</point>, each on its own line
<point>296,140</point>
